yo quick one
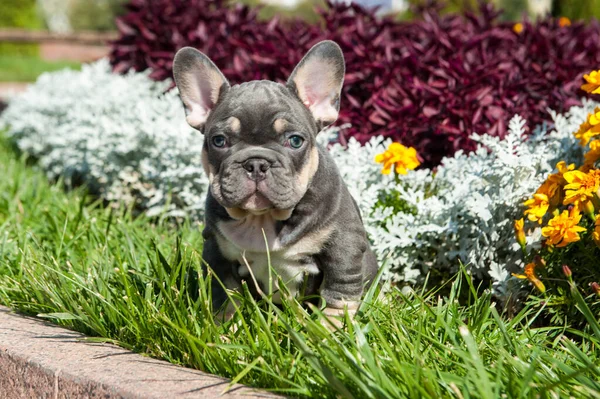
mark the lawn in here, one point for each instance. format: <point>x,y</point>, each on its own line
<point>24,68</point>
<point>122,279</point>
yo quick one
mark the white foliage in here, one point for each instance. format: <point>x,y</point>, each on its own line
<point>129,142</point>
<point>119,134</point>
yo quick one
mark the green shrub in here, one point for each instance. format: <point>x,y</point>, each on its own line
<point>514,10</point>
<point>11,49</point>
<point>27,68</point>
<point>97,15</point>
<point>576,9</point>
<point>19,14</point>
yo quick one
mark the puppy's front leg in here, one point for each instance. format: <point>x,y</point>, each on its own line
<point>343,275</point>
<point>222,269</point>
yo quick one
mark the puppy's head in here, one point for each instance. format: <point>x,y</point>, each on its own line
<point>260,151</point>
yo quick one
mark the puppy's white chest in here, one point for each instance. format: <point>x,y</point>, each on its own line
<point>253,242</point>
<point>254,233</point>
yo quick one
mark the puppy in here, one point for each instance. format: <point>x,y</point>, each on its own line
<point>274,192</point>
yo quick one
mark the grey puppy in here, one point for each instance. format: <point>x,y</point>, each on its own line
<point>267,173</point>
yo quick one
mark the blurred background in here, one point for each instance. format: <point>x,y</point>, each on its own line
<point>46,35</point>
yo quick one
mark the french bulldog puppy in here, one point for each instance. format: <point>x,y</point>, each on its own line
<point>268,174</point>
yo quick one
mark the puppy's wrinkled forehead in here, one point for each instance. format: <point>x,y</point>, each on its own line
<point>261,107</point>
<point>309,100</point>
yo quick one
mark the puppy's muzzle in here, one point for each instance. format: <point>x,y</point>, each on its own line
<point>256,168</point>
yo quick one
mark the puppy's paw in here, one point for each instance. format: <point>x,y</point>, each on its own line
<point>334,317</point>
<point>225,314</point>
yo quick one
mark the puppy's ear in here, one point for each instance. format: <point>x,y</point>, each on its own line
<point>200,84</point>
<point>318,81</point>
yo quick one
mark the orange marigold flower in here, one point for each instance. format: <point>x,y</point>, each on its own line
<point>589,129</point>
<point>592,84</point>
<point>520,233</point>
<point>538,206</point>
<point>564,21</point>
<point>563,229</point>
<point>581,186</point>
<point>563,168</point>
<point>553,185</point>
<point>530,275</point>
<point>403,158</point>
<point>518,28</point>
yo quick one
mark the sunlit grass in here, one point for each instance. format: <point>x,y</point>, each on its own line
<point>27,68</point>
<point>125,280</point>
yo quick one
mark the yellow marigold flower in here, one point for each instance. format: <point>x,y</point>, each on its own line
<point>403,158</point>
<point>538,206</point>
<point>563,229</point>
<point>582,186</point>
<point>584,134</point>
<point>564,21</point>
<point>592,84</point>
<point>593,155</point>
<point>518,28</point>
<point>594,117</point>
<point>530,275</point>
<point>520,233</point>
<point>590,128</point>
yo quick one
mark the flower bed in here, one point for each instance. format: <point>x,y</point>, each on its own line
<point>565,210</point>
<point>128,141</point>
<point>429,83</point>
<point>464,211</point>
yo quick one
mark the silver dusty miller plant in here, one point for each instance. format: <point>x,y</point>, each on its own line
<point>123,136</point>
<point>127,139</point>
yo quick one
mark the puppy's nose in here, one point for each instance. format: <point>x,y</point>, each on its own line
<point>256,168</point>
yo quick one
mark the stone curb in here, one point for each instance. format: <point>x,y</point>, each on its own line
<point>42,360</point>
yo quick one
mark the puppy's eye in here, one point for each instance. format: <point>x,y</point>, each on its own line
<point>296,141</point>
<point>219,141</point>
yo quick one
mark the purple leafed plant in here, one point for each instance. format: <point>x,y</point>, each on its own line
<point>427,83</point>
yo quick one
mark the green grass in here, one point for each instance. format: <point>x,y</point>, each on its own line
<point>122,279</point>
<point>27,68</point>
<point>305,10</point>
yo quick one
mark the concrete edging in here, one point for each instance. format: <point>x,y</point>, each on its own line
<point>42,360</point>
